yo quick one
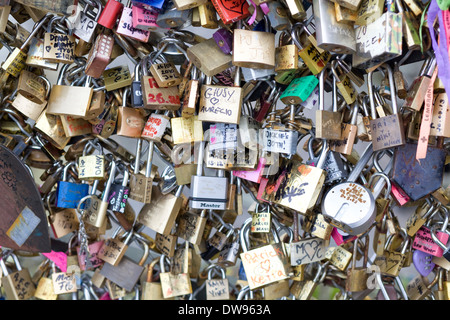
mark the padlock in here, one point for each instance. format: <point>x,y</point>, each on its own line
<point>69,194</point>
<point>416,93</point>
<point>97,216</point>
<point>125,26</point>
<point>191,226</point>
<point>369,11</point>
<point>386,131</point>
<point>216,242</point>
<point>85,29</point>
<point>296,9</point>
<point>44,289</point>
<point>116,78</point>
<point>99,56</point>
<point>332,35</point>
<point>392,261</point>
<point>388,28</point>
<point>188,4</point>
<point>144,19</point>
<point>15,62</point>
<point>305,289</point>
<point>172,18</point>
<point>62,222</point>
<point>299,90</point>
<point>151,290</point>
<point>141,185</point>
<point>422,238</point>
<point>341,198</point>
<point>278,16</point>
<point>231,12</point>
<point>136,89</point>
<point>173,285</point>
<point>439,127</point>
<point>32,87</point>
<point>126,274</point>
<point>357,276</point>
<point>165,74</point>
<point>344,14</point>
<point>328,123</point>
<point>207,192</point>
<point>344,84</point>
<point>78,97</point>
<point>110,14</point>
<point>349,132</point>
<point>154,97</point>
<point>217,289</point>
<point>230,252</point>
<point>333,165</point>
<point>207,15</point>
<point>59,47</point>
<point>263,265</point>
<point>130,121</point>
<point>113,249</point>
<point>160,214</point>
<point>221,103</point>
<point>254,49</point>
<point>17,284</point>
<point>63,282</point>
<point>208,57</point>
<point>190,95</point>
<point>224,39</point>
<point>91,167</point>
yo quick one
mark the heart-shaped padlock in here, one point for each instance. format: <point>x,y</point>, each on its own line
<point>422,262</point>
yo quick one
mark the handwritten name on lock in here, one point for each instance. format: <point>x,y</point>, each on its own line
<point>217,289</point>
<point>260,222</point>
<point>59,46</point>
<point>264,265</point>
<point>339,257</point>
<point>381,130</point>
<point>220,104</point>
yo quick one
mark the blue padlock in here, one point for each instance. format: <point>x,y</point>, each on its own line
<point>69,194</point>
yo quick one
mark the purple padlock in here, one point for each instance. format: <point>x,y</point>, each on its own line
<point>422,262</point>
<point>224,40</point>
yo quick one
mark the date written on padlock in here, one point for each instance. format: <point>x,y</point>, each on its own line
<point>162,96</point>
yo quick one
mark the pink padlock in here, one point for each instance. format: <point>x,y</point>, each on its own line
<point>340,238</point>
<point>399,195</point>
<point>144,19</point>
<point>252,175</point>
<point>424,242</point>
<point>94,248</point>
<point>126,28</point>
<point>59,258</point>
<point>262,187</point>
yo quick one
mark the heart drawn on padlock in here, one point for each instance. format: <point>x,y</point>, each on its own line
<point>214,100</point>
<point>265,265</point>
<point>48,48</point>
<point>233,6</point>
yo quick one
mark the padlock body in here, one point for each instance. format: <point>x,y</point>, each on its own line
<point>424,242</point>
<point>349,207</point>
<point>208,192</point>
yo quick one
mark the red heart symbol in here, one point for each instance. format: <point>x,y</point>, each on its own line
<point>265,265</point>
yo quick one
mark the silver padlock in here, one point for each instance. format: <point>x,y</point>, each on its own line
<point>331,35</point>
<point>350,206</point>
<point>208,192</point>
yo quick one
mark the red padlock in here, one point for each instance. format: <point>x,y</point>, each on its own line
<point>110,14</point>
